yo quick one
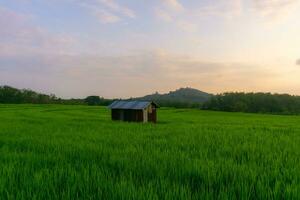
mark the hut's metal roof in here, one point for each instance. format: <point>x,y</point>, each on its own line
<point>131,105</point>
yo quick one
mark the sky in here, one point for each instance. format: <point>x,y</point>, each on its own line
<point>128,48</point>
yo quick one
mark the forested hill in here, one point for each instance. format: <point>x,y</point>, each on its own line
<point>183,97</point>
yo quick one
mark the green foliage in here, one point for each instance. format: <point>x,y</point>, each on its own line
<point>10,95</point>
<point>15,96</point>
<point>77,152</point>
<point>96,101</point>
<point>93,100</point>
<point>255,103</point>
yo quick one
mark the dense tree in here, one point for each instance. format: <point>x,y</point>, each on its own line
<point>93,100</point>
<point>15,96</point>
<point>254,103</point>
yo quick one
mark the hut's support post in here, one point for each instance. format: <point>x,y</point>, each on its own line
<point>145,115</point>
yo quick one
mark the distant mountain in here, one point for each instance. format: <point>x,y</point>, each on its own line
<point>179,98</point>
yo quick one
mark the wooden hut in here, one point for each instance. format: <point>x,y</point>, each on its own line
<point>133,111</point>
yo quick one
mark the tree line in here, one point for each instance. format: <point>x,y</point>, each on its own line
<point>15,96</point>
<point>254,103</point>
<point>10,95</point>
<point>229,102</point>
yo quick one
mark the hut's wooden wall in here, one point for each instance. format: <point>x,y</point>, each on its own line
<point>152,114</point>
<point>146,115</point>
<point>127,115</point>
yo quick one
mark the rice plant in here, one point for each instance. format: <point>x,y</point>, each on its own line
<point>77,152</point>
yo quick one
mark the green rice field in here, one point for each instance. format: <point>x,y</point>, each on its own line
<point>77,152</point>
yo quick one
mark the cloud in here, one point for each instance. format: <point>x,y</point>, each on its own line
<point>9,20</point>
<point>118,8</point>
<point>107,11</point>
<point>186,25</point>
<point>171,12</point>
<point>298,62</point>
<point>178,21</point>
<point>32,56</point>
<point>271,10</point>
<point>163,15</point>
<point>19,36</point>
<point>221,8</point>
<point>85,75</point>
<point>275,9</point>
<point>173,5</point>
<point>106,17</point>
